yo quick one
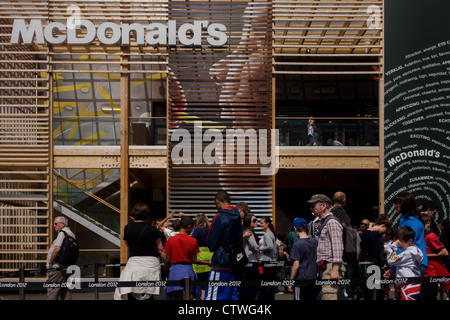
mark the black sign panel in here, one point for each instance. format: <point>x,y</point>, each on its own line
<point>417,102</point>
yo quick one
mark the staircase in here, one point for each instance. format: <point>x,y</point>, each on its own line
<point>86,221</point>
<point>86,205</point>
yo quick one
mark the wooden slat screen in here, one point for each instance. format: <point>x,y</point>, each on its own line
<point>24,145</point>
<point>328,37</point>
<point>33,77</point>
<point>221,88</point>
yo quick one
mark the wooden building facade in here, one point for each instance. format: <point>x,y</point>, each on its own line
<point>92,94</point>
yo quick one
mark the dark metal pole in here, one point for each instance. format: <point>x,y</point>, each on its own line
<point>96,295</point>
<point>22,281</point>
<point>186,289</point>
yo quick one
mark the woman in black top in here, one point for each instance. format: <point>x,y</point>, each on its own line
<point>144,250</point>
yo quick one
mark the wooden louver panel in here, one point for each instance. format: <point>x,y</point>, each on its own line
<point>328,37</point>
<point>221,88</point>
<point>24,147</point>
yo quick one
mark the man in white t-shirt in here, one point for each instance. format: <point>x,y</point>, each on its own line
<point>55,275</point>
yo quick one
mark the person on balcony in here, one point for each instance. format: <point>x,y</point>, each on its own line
<point>312,140</point>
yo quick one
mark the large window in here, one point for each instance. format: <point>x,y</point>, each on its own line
<point>87,104</point>
<point>344,107</point>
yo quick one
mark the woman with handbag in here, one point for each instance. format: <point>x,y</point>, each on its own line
<point>267,253</point>
<point>251,248</point>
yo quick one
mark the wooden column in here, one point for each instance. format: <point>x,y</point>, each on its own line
<point>274,184</point>
<point>50,155</point>
<point>124,150</point>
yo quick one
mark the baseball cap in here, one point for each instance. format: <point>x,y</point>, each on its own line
<point>298,222</point>
<point>319,198</point>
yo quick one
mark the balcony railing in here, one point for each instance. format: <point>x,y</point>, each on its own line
<point>350,131</point>
<point>329,131</point>
<point>106,131</point>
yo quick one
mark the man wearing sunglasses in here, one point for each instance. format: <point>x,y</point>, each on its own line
<point>55,273</point>
<point>365,224</point>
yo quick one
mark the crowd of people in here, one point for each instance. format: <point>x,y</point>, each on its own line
<point>199,249</point>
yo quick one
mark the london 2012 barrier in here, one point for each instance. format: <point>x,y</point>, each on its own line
<point>373,280</point>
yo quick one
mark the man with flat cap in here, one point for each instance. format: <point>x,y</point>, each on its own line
<point>330,246</point>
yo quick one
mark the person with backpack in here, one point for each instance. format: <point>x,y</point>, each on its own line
<point>56,272</point>
<point>339,201</point>
<point>353,269</point>
<point>225,235</point>
<point>330,247</point>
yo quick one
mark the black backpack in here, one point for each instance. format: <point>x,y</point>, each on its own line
<point>350,239</point>
<point>68,253</point>
<point>236,256</point>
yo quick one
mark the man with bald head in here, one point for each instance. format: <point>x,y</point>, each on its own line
<point>338,210</point>
<point>353,269</point>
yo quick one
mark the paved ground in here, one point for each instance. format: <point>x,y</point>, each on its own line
<point>108,294</point>
<point>91,295</point>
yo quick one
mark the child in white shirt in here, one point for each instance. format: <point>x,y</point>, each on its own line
<point>406,258</point>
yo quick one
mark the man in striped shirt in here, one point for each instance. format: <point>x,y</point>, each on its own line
<point>330,246</point>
